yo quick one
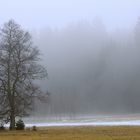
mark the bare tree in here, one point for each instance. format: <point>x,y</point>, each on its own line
<point>19,67</point>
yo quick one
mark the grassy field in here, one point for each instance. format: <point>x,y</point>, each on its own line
<point>75,133</point>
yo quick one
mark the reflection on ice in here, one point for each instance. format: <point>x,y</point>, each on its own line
<point>105,123</point>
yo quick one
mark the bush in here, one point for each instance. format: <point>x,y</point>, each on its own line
<point>20,125</point>
<point>34,128</point>
<point>2,127</point>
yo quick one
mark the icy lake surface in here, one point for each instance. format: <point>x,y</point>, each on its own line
<point>85,121</point>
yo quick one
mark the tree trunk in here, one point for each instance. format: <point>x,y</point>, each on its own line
<point>12,121</point>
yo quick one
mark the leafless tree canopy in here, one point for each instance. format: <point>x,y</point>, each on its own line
<point>19,67</point>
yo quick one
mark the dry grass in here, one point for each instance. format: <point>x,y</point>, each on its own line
<point>75,133</point>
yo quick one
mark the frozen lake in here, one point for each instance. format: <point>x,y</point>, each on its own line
<point>85,121</point>
<point>102,123</point>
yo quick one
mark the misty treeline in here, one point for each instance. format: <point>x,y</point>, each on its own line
<point>91,70</point>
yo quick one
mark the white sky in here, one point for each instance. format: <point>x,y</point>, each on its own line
<point>36,14</point>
